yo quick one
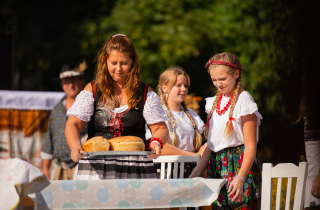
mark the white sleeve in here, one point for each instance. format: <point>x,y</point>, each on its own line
<point>83,107</point>
<point>197,120</point>
<point>248,106</point>
<point>153,111</point>
<point>209,103</point>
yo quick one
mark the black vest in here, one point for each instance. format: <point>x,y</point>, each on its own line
<point>128,123</point>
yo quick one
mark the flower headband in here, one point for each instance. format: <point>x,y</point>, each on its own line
<point>210,62</point>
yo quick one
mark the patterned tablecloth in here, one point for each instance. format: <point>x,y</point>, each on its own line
<point>129,193</point>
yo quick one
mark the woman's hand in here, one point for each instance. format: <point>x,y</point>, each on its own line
<point>236,189</point>
<point>315,191</point>
<point>155,149</point>
<point>76,154</point>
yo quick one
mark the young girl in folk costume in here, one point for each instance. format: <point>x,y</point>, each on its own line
<point>233,121</point>
<point>185,126</point>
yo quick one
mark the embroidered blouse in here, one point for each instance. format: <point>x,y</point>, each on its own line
<point>83,108</point>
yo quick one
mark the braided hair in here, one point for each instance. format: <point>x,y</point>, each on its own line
<point>233,60</point>
<point>168,78</point>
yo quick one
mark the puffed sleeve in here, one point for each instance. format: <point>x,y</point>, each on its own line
<point>83,107</point>
<point>248,106</point>
<point>153,111</point>
<point>209,103</point>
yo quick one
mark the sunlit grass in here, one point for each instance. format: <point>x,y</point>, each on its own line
<point>283,192</point>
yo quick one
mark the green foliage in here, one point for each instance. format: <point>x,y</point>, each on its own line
<point>187,33</point>
<point>166,33</point>
<point>265,35</point>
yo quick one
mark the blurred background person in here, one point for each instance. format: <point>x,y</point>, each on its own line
<point>309,113</point>
<point>55,146</point>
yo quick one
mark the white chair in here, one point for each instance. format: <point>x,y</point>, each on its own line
<point>283,170</point>
<point>177,160</point>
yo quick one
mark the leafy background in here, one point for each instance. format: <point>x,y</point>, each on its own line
<point>267,36</point>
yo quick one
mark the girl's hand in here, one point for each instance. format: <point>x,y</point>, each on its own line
<point>156,150</point>
<point>194,174</point>
<point>236,189</point>
<point>76,154</point>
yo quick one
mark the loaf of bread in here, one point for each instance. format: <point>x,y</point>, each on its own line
<point>96,144</point>
<point>126,143</point>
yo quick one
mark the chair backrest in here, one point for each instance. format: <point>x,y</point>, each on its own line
<point>176,160</point>
<point>280,171</point>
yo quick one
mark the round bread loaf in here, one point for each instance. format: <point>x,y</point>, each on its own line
<point>96,144</point>
<point>126,143</point>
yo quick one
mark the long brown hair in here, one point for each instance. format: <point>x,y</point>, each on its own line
<point>309,104</point>
<point>169,78</point>
<point>230,58</point>
<point>104,80</point>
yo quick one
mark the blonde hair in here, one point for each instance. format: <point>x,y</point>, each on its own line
<point>230,58</point>
<point>104,80</point>
<point>169,78</point>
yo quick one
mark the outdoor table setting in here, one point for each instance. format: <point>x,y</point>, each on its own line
<point>129,193</point>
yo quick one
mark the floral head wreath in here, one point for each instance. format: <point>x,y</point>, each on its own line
<point>210,62</point>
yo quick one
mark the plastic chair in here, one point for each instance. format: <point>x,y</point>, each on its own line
<point>167,161</point>
<point>283,170</point>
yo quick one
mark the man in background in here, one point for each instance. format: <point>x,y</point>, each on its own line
<point>55,146</point>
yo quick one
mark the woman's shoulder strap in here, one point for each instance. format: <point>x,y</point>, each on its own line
<point>144,90</point>
<point>94,89</point>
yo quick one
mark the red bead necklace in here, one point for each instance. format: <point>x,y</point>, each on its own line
<point>220,112</point>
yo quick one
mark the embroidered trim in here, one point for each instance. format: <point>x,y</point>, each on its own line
<point>116,125</point>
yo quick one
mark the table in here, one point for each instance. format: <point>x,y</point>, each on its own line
<point>129,193</point>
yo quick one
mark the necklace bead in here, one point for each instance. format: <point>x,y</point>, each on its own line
<point>220,112</point>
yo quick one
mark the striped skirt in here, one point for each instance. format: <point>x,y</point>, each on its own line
<point>226,164</point>
<point>122,167</point>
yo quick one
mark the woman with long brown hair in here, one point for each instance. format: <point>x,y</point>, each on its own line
<point>116,104</point>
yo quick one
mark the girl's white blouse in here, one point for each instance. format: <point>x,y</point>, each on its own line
<point>83,108</point>
<point>184,129</point>
<point>245,105</point>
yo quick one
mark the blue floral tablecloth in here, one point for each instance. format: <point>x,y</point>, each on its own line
<point>129,193</point>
